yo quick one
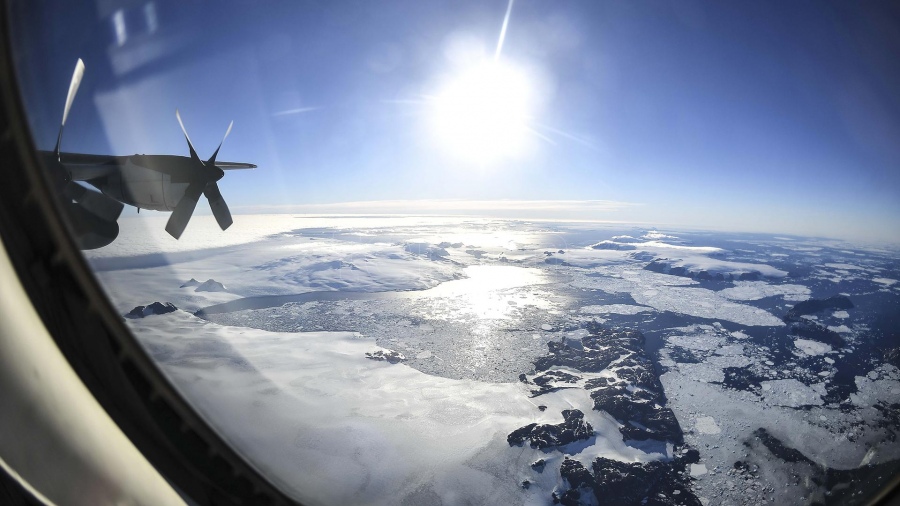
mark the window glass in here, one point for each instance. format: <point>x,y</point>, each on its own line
<point>497,252</point>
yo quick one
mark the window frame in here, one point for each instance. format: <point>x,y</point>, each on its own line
<point>114,367</point>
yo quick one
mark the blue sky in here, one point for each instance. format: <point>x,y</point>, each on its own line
<point>766,116</point>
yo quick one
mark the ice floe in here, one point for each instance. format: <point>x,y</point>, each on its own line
<point>880,384</point>
<point>793,393</point>
<point>704,303</point>
<point>755,290</point>
<point>707,425</point>
<point>811,347</point>
<point>624,309</point>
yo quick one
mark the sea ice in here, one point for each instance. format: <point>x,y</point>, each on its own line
<point>755,290</point>
<point>811,347</point>
<point>702,372</point>
<point>793,393</point>
<point>707,425</point>
<point>880,384</point>
<point>625,309</point>
<point>705,304</point>
<point>701,341</point>
<point>698,470</point>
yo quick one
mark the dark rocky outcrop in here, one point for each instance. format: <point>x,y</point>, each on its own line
<point>573,428</point>
<point>617,483</point>
<point>551,381</point>
<point>390,356</point>
<point>651,483</point>
<point>152,309</point>
<point>633,395</point>
<point>580,481</point>
<point>635,398</point>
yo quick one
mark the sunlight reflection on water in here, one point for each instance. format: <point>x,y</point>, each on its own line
<point>489,292</point>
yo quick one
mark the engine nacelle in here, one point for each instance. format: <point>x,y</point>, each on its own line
<point>142,187</point>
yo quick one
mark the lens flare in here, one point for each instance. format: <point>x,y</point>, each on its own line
<point>482,114</point>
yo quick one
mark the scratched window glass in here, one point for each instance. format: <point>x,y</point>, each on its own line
<point>497,251</point>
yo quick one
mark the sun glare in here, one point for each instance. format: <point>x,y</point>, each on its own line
<point>482,114</point>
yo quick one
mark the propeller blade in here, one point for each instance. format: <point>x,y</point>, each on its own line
<point>218,205</point>
<point>190,145</point>
<point>182,214</point>
<point>212,159</point>
<point>73,89</point>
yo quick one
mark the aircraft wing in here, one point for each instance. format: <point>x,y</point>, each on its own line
<point>235,165</point>
<point>84,165</point>
<point>89,159</point>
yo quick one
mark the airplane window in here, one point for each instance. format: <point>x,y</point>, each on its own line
<point>496,252</point>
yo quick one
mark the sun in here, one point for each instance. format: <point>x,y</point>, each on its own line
<point>481,115</point>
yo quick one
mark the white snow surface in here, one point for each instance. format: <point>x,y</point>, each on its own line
<point>331,427</point>
<point>654,234</point>
<point>145,234</point>
<point>283,263</point>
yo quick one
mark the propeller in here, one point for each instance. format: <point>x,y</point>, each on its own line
<point>73,89</point>
<point>202,178</point>
<point>91,215</point>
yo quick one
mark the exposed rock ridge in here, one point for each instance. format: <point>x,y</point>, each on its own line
<point>151,309</point>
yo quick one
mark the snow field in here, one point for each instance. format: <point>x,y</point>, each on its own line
<point>331,426</point>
